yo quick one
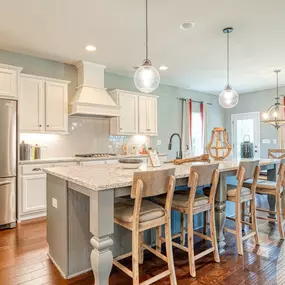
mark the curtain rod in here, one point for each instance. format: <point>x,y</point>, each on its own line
<point>194,101</point>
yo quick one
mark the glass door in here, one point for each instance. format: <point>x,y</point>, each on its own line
<point>246,127</point>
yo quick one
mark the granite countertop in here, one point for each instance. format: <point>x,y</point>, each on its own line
<point>78,159</point>
<point>107,176</point>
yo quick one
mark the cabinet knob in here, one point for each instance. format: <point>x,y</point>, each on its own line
<point>40,125</point>
<point>47,125</point>
<point>120,129</point>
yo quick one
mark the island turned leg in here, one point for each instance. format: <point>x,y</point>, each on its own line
<point>272,176</point>
<point>102,227</point>
<point>220,210</point>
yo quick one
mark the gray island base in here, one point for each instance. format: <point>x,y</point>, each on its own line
<point>80,213</point>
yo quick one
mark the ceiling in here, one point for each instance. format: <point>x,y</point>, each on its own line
<point>196,58</point>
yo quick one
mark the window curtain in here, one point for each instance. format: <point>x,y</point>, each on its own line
<point>281,132</point>
<point>204,120</point>
<point>187,129</point>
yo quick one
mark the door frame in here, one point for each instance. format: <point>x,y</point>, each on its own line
<point>233,134</point>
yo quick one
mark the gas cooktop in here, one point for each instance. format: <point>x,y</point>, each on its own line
<point>95,155</point>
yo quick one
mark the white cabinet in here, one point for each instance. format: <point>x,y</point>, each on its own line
<point>33,193</point>
<point>147,115</point>
<point>9,81</point>
<point>56,106</point>
<point>127,123</point>
<point>31,105</point>
<point>43,104</point>
<point>138,113</point>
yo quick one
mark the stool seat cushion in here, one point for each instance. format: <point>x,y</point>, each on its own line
<point>232,190</point>
<point>261,184</point>
<point>180,200</point>
<point>123,210</point>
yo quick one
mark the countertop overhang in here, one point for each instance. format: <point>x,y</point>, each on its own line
<point>102,177</point>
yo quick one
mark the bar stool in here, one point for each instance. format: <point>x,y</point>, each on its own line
<point>241,195</point>
<point>191,204</point>
<point>139,215</point>
<point>265,187</point>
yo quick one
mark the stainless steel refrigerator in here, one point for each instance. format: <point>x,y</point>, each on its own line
<point>8,163</point>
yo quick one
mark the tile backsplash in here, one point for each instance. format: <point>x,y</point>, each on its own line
<point>86,135</point>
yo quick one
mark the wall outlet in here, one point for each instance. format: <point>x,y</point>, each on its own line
<point>275,141</point>
<point>266,141</point>
<point>158,142</point>
<point>54,202</point>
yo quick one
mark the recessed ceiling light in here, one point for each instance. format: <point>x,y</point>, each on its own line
<point>163,67</point>
<point>187,26</point>
<point>90,48</point>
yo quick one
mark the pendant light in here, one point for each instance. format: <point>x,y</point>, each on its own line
<point>229,97</point>
<point>146,78</point>
<point>275,114</point>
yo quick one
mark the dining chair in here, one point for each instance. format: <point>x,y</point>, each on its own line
<point>138,215</point>
<point>187,202</point>
<point>265,187</point>
<point>241,195</point>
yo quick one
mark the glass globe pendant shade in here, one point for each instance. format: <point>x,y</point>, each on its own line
<point>228,98</point>
<point>146,78</point>
<point>275,115</point>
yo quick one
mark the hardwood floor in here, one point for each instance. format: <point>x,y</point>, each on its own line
<point>23,260</point>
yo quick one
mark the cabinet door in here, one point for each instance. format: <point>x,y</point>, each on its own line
<point>152,115</point>
<point>8,83</point>
<point>128,121</point>
<point>143,116</point>
<point>31,105</point>
<point>56,102</point>
<point>33,196</point>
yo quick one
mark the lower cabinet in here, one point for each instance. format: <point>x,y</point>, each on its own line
<point>33,193</point>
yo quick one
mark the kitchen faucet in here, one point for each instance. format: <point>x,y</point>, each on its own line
<point>178,153</point>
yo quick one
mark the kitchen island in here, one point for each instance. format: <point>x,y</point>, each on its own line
<point>80,212</point>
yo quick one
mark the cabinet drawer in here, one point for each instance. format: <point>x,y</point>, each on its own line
<point>34,168</point>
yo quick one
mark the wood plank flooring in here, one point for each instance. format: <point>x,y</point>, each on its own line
<point>23,260</point>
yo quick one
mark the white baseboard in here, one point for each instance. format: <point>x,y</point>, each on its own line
<point>31,216</point>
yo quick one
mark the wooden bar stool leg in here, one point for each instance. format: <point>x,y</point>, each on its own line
<point>238,229</point>
<point>169,253</point>
<point>283,204</point>
<point>158,240</point>
<point>213,234</point>
<point>279,217</point>
<point>141,251</point>
<point>191,255</point>
<point>182,228</point>
<point>254,220</point>
<point>205,222</point>
<point>243,207</point>
<point>135,257</point>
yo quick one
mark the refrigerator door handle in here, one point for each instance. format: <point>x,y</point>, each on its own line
<point>5,183</point>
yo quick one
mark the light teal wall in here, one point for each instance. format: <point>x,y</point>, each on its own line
<point>256,102</point>
<point>169,108</point>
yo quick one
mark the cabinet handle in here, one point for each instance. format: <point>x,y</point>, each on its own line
<point>37,169</point>
<point>5,183</point>
<point>121,129</point>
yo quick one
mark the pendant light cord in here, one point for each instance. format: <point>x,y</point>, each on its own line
<point>228,59</point>
<point>277,73</point>
<point>146,29</point>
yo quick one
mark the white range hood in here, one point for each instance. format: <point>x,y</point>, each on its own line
<point>91,98</point>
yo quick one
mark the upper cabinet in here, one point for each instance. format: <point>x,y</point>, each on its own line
<point>9,76</point>
<point>43,104</point>
<point>148,115</point>
<point>138,114</point>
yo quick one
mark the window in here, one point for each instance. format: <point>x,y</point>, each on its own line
<point>197,148</point>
